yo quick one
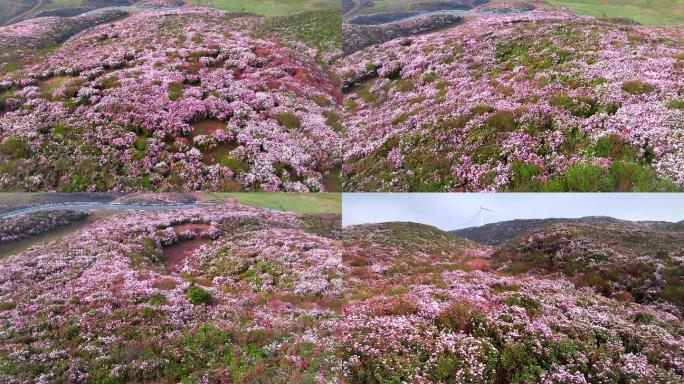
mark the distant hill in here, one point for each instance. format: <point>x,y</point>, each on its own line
<point>505,231</point>
<point>631,261</point>
<point>404,250</point>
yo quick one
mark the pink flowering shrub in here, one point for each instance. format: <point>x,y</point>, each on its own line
<point>628,261</point>
<point>537,101</point>
<point>231,293</point>
<point>101,305</point>
<point>184,99</point>
<point>450,324</point>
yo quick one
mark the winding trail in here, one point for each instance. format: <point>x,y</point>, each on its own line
<point>19,16</point>
<point>357,5</point>
<point>97,206</point>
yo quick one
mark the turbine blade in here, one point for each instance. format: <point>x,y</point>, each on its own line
<point>485,209</point>
<point>474,217</point>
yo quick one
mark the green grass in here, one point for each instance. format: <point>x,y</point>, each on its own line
<point>294,202</point>
<point>198,296</point>
<point>650,12</point>
<point>621,176</point>
<point>390,5</point>
<point>9,8</point>
<point>288,120</point>
<point>319,29</point>
<point>661,12</point>
<point>175,91</point>
<point>272,7</point>
<point>12,8</point>
<point>48,87</point>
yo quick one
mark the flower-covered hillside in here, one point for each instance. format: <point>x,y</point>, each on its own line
<point>235,294</point>
<point>642,262</point>
<point>227,293</point>
<point>409,248</point>
<point>191,98</point>
<point>537,101</point>
<point>462,324</point>
<point>20,43</point>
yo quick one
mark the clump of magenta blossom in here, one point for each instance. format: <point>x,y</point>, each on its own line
<point>188,98</point>
<point>536,101</point>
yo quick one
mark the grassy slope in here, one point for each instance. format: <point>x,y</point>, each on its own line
<point>651,12</point>
<point>408,237</point>
<point>9,198</point>
<point>295,202</point>
<point>272,7</point>
<point>387,5</point>
<point>616,260</point>
<point>320,29</point>
<point>54,4</point>
<point>9,8</point>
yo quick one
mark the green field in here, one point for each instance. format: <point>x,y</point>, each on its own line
<point>272,7</point>
<point>294,202</point>
<point>650,12</point>
<point>11,8</point>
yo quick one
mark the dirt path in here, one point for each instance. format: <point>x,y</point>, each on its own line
<point>357,5</point>
<point>19,16</point>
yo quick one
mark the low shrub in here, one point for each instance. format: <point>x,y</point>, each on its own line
<point>198,296</point>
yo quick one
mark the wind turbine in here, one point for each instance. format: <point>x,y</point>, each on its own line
<point>481,213</point>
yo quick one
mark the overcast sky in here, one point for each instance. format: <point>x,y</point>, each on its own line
<point>456,210</point>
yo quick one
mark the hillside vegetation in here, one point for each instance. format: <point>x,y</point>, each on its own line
<point>232,293</point>
<point>456,321</point>
<point>502,232</point>
<point>542,101</point>
<point>639,262</point>
<point>271,7</point>
<point>661,12</point>
<point>182,99</point>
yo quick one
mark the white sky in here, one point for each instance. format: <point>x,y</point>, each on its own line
<point>450,211</point>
